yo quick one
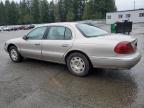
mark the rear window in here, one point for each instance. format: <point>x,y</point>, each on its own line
<point>90,30</point>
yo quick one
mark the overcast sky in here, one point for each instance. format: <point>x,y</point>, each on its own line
<point>121,4</point>
<point>129,4</point>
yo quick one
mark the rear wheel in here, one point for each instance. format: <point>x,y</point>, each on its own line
<point>14,54</point>
<point>78,64</point>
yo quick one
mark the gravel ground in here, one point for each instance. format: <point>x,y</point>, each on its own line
<point>38,84</point>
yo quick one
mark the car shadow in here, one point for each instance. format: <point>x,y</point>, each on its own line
<point>102,85</point>
<point>113,74</point>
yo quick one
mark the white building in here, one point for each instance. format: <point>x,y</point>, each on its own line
<point>135,16</point>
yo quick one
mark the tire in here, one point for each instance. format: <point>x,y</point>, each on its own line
<point>78,64</point>
<point>14,54</point>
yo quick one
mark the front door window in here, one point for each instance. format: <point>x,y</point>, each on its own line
<point>37,34</point>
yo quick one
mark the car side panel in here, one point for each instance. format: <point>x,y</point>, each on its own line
<point>99,48</point>
<point>13,42</point>
<point>54,50</point>
<point>31,48</point>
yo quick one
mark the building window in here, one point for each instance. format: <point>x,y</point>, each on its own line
<point>120,16</point>
<point>109,17</point>
<point>141,14</point>
<point>128,15</point>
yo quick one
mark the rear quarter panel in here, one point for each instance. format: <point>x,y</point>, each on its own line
<point>97,47</point>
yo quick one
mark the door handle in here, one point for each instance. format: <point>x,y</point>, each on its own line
<point>65,45</point>
<point>37,44</point>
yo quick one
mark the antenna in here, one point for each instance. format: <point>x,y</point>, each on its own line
<point>134,4</point>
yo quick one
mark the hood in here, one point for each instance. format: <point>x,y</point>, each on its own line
<point>15,40</point>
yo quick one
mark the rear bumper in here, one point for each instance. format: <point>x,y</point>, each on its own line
<point>126,62</point>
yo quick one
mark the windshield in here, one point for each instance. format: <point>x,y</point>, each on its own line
<point>90,31</point>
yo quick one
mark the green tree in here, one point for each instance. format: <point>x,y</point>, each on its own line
<point>25,13</point>
<point>13,15</point>
<point>35,11</point>
<point>70,15</point>
<point>7,12</point>
<point>40,11</point>
<point>2,14</point>
<point>69,10</point>
<point>51,12</point>
<point>87,12</point>
<point>56,12</point>
<point>96,9</point>
<point>110,5</point>
<point>44,11</point>
<point>62,11</point>
<point>78,6</point>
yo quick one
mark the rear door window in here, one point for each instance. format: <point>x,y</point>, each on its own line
<point>59,33</point>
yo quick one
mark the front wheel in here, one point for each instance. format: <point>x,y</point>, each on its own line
<point>14,54</point>
<point>78,64</point>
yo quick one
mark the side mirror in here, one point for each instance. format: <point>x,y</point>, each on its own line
<point>25,37</point>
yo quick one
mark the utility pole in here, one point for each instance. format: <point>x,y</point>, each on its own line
<point>134,4</point>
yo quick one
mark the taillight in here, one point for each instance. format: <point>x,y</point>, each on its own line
<point>124,48</point>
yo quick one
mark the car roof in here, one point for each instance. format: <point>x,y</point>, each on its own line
<point>58,23</point>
